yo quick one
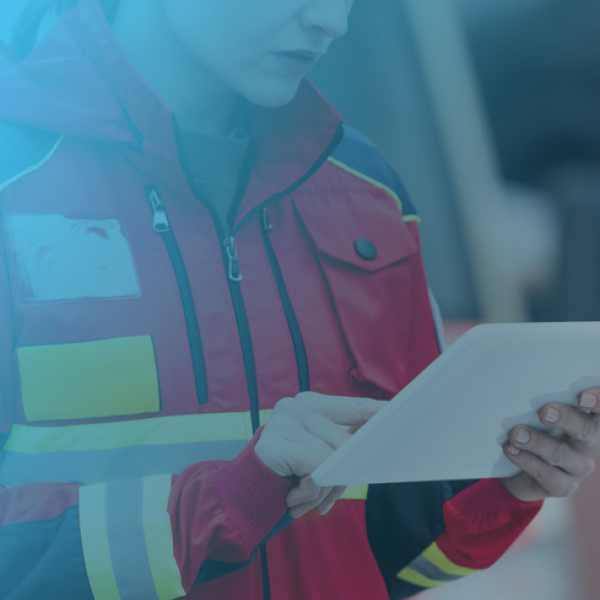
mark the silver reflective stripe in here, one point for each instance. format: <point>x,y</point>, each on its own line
<point>127,542</point>
<point>423,567</point>
<point>437,318</point>
<point>96,466</point>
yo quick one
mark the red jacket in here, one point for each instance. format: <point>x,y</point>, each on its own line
<point>134,361</point>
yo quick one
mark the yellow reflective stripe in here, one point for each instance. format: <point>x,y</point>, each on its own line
<point>375,183</point>
<point>407,574</point>
<point>355,492</point>
<point>35,167</point>
<point>435,556</point>
<point>159,537</point>
<point>94,539</point>
<point>181,429</point>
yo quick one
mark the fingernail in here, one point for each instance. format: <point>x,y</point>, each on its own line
<point>588,401</point>
<point>514,450</point>
<point>522,436</point>
<point>552,415</point>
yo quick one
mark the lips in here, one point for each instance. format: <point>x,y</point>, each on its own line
<point>298,62</point>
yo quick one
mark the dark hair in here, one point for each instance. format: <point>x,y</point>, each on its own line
<point>25,32</point>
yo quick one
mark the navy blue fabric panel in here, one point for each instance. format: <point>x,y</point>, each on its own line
<point>211,569</point>
<point>22,147</point>
<point>358,152</point>
<point>403,589</point>
<point>43,559</point>
<point>402,520</point>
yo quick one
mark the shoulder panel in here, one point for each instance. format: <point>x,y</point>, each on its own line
<point>358,154</point>
<point>23,150</point>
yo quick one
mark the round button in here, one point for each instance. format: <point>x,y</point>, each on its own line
<point>365,249</point>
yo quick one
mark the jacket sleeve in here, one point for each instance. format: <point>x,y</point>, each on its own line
<point>424,535</point>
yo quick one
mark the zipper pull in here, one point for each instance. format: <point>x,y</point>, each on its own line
<point>233,260</point>
<point>266,221</point>
<point>160,221</point>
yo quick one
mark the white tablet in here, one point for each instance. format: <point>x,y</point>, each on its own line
<point>451,421</point>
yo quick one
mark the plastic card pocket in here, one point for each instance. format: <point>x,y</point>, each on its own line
<point>65,258</point>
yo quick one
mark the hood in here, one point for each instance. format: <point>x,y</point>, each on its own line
<point>59,88</point>
<point>79,82</point>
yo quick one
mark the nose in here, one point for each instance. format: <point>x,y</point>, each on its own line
<point>330,16</point>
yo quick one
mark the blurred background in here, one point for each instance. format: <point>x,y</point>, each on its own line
<point>490,112</point>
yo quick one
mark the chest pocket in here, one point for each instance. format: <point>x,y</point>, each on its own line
<point>365,249</point>
<point>66,258</point>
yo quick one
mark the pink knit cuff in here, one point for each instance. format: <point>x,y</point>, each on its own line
<point>251,494</point>
<point>489,496</point>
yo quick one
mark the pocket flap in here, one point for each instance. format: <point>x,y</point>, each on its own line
<point>336,223</point>
<point>372,298</point>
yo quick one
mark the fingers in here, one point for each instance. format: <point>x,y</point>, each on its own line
<point>308,495</point>
<point>579,425</point>
<point>539,478</point>
<point>554,466</point>
<point>325,430</point>
<point>306,492</point>
<point>333,496</point>
<point>306,428</point>
<point>589,400</point>
<point>303,452</point>
<point>341,409</point>
<point>555,452</point>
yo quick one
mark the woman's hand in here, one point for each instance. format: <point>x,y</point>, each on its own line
<point>301,433</point>
<point>554,466</point>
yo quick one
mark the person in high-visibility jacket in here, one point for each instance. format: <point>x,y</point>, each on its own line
<point>192,246</point>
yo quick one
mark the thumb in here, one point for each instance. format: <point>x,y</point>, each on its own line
<point>306,491</point>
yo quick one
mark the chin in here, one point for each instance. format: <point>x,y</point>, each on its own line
<point>272,96</point>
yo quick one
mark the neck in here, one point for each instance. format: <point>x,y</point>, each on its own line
<point>200,101</point>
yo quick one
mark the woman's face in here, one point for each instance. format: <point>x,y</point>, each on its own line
<point>258,48</point>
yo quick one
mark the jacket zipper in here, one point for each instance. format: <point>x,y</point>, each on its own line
<point>296,334</point>
<point>233,263</point>
<point>234,277</point>
<point>160,223</point>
